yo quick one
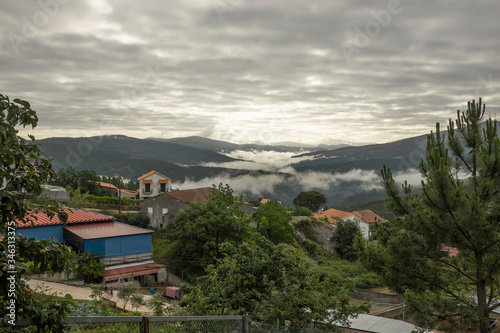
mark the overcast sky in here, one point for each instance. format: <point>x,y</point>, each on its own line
<point>250,70</point>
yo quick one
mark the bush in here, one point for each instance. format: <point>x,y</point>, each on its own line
<point>306,226</point>
<point>91,266</point>
<point>302,211</point>
<point>309,247</point>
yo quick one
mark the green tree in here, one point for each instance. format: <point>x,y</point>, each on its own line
<point>458,207</point>
<point>85,180</point>
<point>22,166</point>
<point>268,281</point>
<point>130,292</point>
<point>302,211</point>
<point>310,199</point>
<point>273,222</point>
<point>91,266</point>
<point>343,239</point>
<point>196,233</point>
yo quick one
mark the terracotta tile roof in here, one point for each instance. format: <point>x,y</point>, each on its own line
<point>105,229</point>
<point>452,251</point>
<point>333,215</point>
<point>129,192</point>
<point>77,216</point>
<point>108,185</point>
<point>264,201</point>
<point>368,216</point>
<point>150,173</point>
<point>190,196</point>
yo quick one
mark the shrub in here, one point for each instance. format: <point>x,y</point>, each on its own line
<point>302,211</point>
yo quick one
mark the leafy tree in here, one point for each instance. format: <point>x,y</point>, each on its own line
<point>273,222</point>
<point>85,180</point>
<point>302,211</point>
<point>310,199</point>
<point>22,166</point>
<point>91,266</point>
<point>458,207</point>
<point>197,232</point>
<point>130,292</point>
<point>268,281</point>
<point>157,304</point>
<point>343,239</point>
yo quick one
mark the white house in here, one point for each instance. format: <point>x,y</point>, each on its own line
<point>152,184</point>
<point>364,218</point>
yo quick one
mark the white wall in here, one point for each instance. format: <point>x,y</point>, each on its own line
<point>155,186</point>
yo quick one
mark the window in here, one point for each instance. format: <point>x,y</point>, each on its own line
<point>164,211</point>
<point>147,187</point>
<point>150,210</point>
<point>163,187</point>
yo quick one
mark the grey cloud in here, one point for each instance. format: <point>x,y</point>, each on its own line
<point>261,71</point>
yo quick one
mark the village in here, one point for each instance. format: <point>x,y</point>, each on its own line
<point>127,251</point>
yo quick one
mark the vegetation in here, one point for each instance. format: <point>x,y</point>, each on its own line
<point>310,199</point>
<point>306,226</point>
<point>130,292</point>
<point>22,166</point>
<point>458,207</point>
<point>196,233</point>
<point>268,281</point>
<point>273,222</point>
<point>302,211</point>
<point>91,266</point>
<point>138,220</point>
<point>343,239</point>
<point>86,180</point>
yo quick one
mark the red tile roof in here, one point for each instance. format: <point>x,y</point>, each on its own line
<point>368,216</point>
<point>108,185</point>
<point>264,201</point>
<point>333,215</point>
<point>105,229</point>
<point>129,192</point>
<point>452,251</point>
<point>150,173</point>
<point>190,196</point>
<point>76,216</point>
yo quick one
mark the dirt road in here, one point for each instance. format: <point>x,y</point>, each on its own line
<point>81,293</point>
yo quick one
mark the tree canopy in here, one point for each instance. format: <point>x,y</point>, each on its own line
<point>343,239</point>
<point>310,199</point>
<point>197,232</point>
<point>457,208</point>
<point>273,222</point>
<point>22,166</point>
<point>268,281</point>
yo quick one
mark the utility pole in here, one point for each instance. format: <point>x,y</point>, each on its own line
<point>119,195</point>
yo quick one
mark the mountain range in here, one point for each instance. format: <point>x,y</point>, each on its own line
<point>184,159</point>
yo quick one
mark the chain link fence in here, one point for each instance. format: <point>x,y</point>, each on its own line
<point>137,324</point>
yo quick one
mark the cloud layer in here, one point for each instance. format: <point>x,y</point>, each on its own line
<point>248,71</point>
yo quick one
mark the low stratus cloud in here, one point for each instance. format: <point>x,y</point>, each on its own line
<point>267,160</point>
<point>357,180</point>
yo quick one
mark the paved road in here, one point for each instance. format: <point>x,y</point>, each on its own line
<point>80,293</point>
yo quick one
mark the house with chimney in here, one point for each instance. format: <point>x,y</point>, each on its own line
<point>152,184</point>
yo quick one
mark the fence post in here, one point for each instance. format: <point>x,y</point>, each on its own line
<point>144,328</point>
<point>246,324</point>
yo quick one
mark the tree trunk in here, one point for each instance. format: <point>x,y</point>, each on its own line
<point>482,301</point>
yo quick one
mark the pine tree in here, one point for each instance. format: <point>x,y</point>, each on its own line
<point>458,208</point>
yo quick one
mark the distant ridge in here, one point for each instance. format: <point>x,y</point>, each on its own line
<point>223,146</point>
